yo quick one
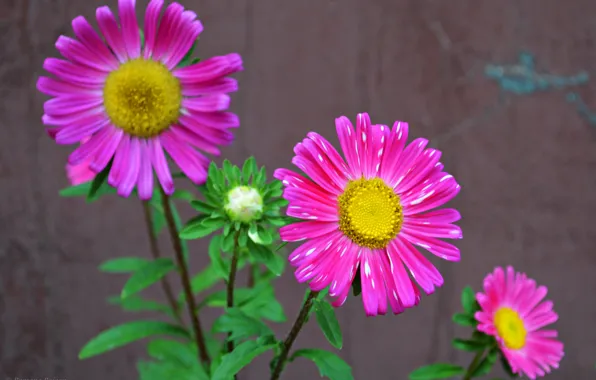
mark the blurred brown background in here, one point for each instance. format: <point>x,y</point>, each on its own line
<point>527,165</point>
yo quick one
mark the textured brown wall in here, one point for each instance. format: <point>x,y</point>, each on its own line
<point>527,166</point>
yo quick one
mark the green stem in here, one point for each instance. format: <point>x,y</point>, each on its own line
<point>472,367</point>
<point>287,344</point>
<point>185,278</point>
<point>231,282</point>
<point>165,284</point>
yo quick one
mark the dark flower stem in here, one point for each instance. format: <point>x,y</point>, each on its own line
<point>184,276</point>
<point>287,344</point>
<point>231,282</point>
<point>472,367</point>
<point>165,284</point>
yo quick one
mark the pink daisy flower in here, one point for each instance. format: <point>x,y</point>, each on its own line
<point>369,211</point>
<point>134,102</point>
<point>513,312</point>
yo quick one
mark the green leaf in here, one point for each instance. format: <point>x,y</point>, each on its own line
<point>242,355</point>
<point>142,38</point>
<point>98,182</point>
<point>158,220</point>
<point>220,267</point>
<point>249,169</point>
<point>260,179</point>
<point>437,371</point>
<point>76,190</point>
<point>201,206</point>
<point>200,228</point>
<point>329,364</point>
<point>147,275</point>
<point>168,370</point>
<point>328,323</point>
<point>202,281</point>
<point>183,194</point>
<point>183,354</point>
<point>136,303</point>
<point>265,256</point>
<point>468,345</point>
<point>240,325</point>
<point>468,300</point>
<point>464,319</point>
<point>227,243</point>
<point>486,365</point>
<point>187,60</point>
<point>262,304</point>
<point>126,333</point>
<point>123,265</point>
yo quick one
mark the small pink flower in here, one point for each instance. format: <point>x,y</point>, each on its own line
<point>513,311</point>
<point>367,212</point>
<point>133,100</point>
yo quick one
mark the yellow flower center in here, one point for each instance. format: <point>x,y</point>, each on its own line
<point>510,328</point>
<point>370,213</point>
<point>142,97</point>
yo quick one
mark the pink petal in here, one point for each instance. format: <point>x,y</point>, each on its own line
<point>345,274</point>
<point>318,175</point>
<point>78,131</point>
<point>130,171</point>
<point>377,136</point>
<point>55,87</point>
<point>111,31</point>
<point>145,180</point>
<point>400,288</point>
<point>164,34</point>
<point>120,162</point>
<point>437,193</point>
<point>78,53</point>
<point>305,210</point>
<point>87,149</point>
<point>407,159</point>
<point>394,148</point>
<point>373,290</point>
<point>64,106</point>
<point>185,157</point>
<point>209,69</point>
<point>151,25</point>
<point>196,139</point>
<point>160,165</point>
<point>221,120</point>
<point>106,152</point>
<point>441,216</point>
<point>446,231</point>
<point>75,74</point>
<point>207,103</point>
<point>422,270</point>
<point>89,37</point>
<point>183,40</point>
<point>363,143</point>
<point>219,85</point>
<point>306,230</point>
<point>420,169</point>
<point>317,157</point>
<point>130,28</point>
<point>437,247</point>
<point>349,145</point>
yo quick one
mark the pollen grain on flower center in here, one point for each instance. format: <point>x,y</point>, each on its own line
<point>142,97</point>
<point>510,328</point>
<point>370,213</point>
